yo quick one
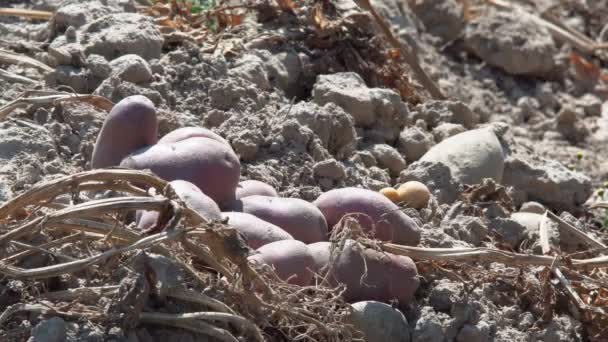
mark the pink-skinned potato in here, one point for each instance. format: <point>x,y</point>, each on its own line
<point>191,132</point>
<point>301,219</point>
<point>254,187</point>
<point>388,276</point>
<point>257,232</point>
<point>376,214</point>
<point>290,259</point>
<point>210,165</point>
<point>192,196</point>
<point>130,125</point>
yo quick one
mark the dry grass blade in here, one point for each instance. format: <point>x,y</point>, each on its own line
<point>79,265</point>
<point>410,56</point>
<point>482,254</point>
<point>192,325</point>
<point>208,316</point>
<point>9,57</point>
<point>87,209</point>
<point>578,40</point>
<point>94,100</point>
<point>12,77</point>
<point>579,234</point>
<point>26,13</point>
<point>199,298</point>
<point>82,293</point>
<point>57,242</point>
<point>110,178</point>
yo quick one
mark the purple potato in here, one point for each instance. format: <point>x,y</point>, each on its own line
<point>257,232</point>
<point>192,196</point>
<point>191,132</point>
<point>376,214</point>
<point>291,260</point>
<point>210,165</point>
<point>299,218</point>
<point>254,187</point>
<point>130,125</point>
<point>388,276</point>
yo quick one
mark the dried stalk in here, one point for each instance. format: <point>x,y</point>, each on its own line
<point>10,57</point>
<point>408,54</point>
<point>87,209</point>
<point>482,254</point>
<point>82,293</point>
<point>12,77</point>
<point>199,298</point>
<point>26,13</point>
<point>79,265</point>
<point>570,36</point>
<point>192,325</point>
<point>111,178</point>
<point>582,236</point>
<point>16,257</point>
<point>54,97</point>
<point>238,321</point>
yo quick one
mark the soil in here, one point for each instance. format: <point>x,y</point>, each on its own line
<point>312,97</point>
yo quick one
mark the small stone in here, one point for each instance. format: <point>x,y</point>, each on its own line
<point>131,68</point>
<point>591,104</point>
<point>330,168</point>
<point>380,322</point>
<point>532,207</point>
<point>446,130</point>
<point>510,230</point>
<point>388,157</point>
<point>517,46</point>
<point>414,142</point>
<point>50,330</point>
<point>471,156</point>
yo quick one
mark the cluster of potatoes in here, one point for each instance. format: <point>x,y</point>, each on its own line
<point>289,234</point>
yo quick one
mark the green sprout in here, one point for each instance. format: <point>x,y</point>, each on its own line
<point>579,155</point>
<point>600,193</point>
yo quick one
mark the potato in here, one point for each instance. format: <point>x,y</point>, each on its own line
<point>299,218</point>
<point>388,277</point>
<point>414,194</point>
<point>373,210</point>
<point>320,252</point>
<point>291,260</point>
<point>131,125</point>
<point>210,165</point>
<point>192,196</point>
<point>254,187</point>
<point>191,132</point>
<point>391,194</point>
<point>257,232</point>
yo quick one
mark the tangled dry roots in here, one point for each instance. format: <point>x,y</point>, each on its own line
<point>84,240</point>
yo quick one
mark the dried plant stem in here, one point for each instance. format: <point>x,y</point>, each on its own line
<point>238,321</point>
<point>26,13</point>
<point>54,97</point>
<point>78,265</point>
<point>82,293</point>
<point>410,56</point>
<point>189,323</point>
<point>10,57</point>
<point>576,39</point>
<point>199,298</point>
<point>16,257</point>
<point>45,192</point>
<point>482,254</point>
<point>579,234</point>
<point>90,208</point>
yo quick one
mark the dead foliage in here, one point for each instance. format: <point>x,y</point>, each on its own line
<point>89,239</point>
